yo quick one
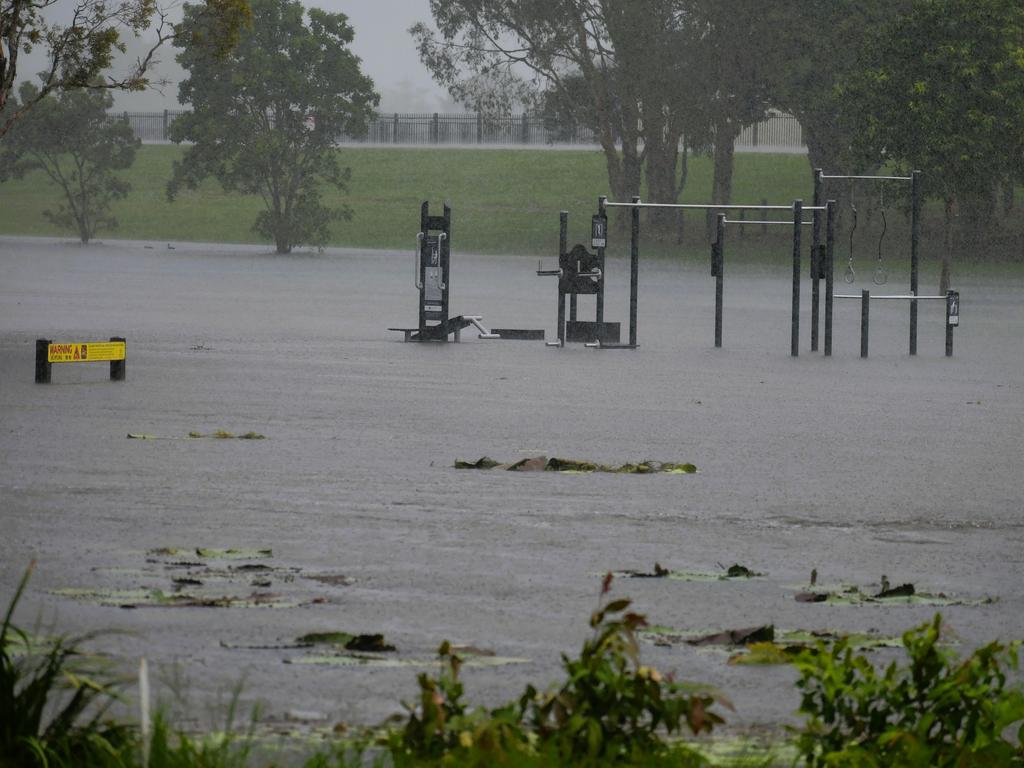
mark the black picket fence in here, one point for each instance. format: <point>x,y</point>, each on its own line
<point>776,133</point>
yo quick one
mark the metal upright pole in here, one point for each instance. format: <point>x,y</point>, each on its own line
<point>830,252</point>
<point>865,311</point>
<point>720,268</point>
<point>43,365</point>
<point>794,333</point>
<point>816,260</point>
<point>563,245</point>
<point>915,239</point>
<point>634,268</point>
<point>599,299</point>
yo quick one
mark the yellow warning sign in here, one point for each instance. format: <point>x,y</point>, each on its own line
<point>85,352</point>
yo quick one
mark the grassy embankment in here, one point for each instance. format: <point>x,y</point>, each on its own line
<point>503,201</point>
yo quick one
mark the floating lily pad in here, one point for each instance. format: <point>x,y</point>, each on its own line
<point>145,598</point>
<point>733,573</point>
<point>360,660</point>
<point>211,554</point>
<point>904,594</point>
<point>330,579</point>
<point>574,466</point>
<point>784,643</point>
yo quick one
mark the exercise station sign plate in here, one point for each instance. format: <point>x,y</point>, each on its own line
<point>85,352</point>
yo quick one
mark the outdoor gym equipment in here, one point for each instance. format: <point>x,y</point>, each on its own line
<point>881,276</point>
<point>432,275</point>
<point>718,254</point>
<point>952,299</point>
<point>48,352</point>
<point>581,272</point>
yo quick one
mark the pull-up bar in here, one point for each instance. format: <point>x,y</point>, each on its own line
<point>869,178</point>
<point>765,223</point>
<point>915,238</point>
<point>706,206</point>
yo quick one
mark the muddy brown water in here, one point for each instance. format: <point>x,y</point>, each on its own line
<point>911,467</point>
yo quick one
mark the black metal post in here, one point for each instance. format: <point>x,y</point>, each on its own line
<point>719,270</point>
<point>915,238</point>
<point>949,325</point>
<point>865,312</point>
<point>794,333</point>
<point>446,259</point>
<point>394,133</point>
<point>563,245</point>
<point>830,253</point>
<point>634,268</point>
<point>816,260</point>
<point>117,366</point>
<point>764,227</point>
<point>43,365</point>
<point>599,298</point>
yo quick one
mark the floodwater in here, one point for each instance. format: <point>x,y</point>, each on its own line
<point>909,467</point>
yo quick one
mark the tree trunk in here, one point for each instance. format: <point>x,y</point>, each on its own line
<point>726,132</point>
<point>947,243</point>
<point>662,162</point>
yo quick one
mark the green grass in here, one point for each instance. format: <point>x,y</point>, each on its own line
<point>504,201</point>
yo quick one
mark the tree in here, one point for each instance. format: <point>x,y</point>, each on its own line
<point>807,47</point>
<point>266,116</point>
<point>80,52</point>
<point>70,138</point>
<point>946,96</point>
<point>613,64</point>
<point>652,78</point>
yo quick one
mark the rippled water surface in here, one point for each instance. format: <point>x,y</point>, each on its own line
<point>911,467</point>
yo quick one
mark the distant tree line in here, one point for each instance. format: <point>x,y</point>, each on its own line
<point>936,85</point>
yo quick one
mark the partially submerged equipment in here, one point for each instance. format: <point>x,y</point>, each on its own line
<point>433,273</point>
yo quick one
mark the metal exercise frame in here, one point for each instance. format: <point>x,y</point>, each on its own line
<point>952,299</point>
<point>432,275</point>
<point>581,272</point>
<point>914,179</point>
<point>718,254</point>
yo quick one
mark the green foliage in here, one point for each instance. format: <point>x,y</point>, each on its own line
<point>80,50</point>
<point>609,709</point>
<point>52,702</point>
<point>71,139</point>
<point>266,116</point>
<point>943,92</point>
<point>610,706</point>
<point>936,711</point>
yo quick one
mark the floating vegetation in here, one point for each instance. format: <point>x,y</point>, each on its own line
<point>156,598</point>
<point>764,644</point>
<point>207,553</point>
<point>573,466</point>
<point>220,434</point>
<point>330,579</point>
<point>367,643</point>
<point>362,660</point>
<point>735,572</point>
<point>902,594</point>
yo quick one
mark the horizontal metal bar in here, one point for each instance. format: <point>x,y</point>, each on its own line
<point>751,221</point>
<point>872,178</point>
<point>707,207</point>
<point>902,297</point>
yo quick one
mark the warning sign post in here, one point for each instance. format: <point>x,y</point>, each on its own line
<point>49,352</point>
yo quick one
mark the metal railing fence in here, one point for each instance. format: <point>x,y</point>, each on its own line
<point>776,133</point>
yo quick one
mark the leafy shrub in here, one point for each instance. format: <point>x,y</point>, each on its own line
<point>52,702</point>
<point>934,712</point>
<point>609,709</point>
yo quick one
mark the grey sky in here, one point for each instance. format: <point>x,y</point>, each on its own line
<point>382,41</point>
